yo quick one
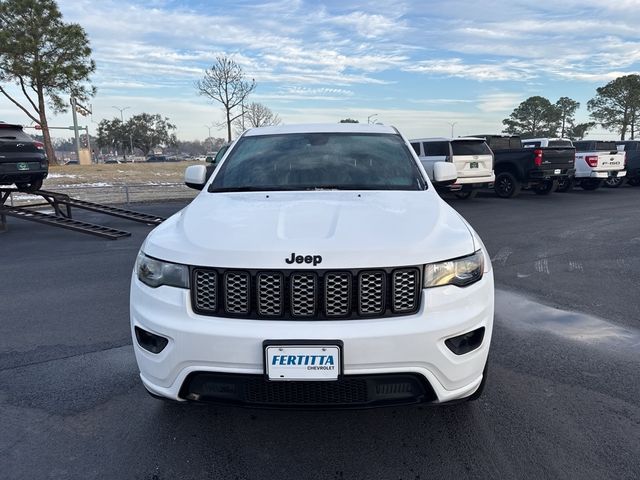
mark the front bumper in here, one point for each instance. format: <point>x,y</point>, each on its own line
<point>408,345</point>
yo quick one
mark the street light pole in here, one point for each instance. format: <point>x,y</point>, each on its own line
<point>209,127</point>
<point>452,125</point>
<point>124,154</point>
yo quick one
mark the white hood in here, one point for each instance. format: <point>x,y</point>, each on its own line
<point>347,229</point>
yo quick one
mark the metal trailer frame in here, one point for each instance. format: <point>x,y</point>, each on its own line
<point>62,216</point>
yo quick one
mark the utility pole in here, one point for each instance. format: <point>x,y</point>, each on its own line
<point>72,100</point>
<point>124,154</point>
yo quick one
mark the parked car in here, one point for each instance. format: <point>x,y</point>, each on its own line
<point>317,267</point>
<point>471,156</point>
<point>157,158</point>
<point>517,167</point>
<point>632,157</point>
<point>23,161</point>
<point>597,162</point>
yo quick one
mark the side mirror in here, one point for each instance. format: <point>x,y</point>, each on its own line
<point>444,173</point>
<point>195,176</point>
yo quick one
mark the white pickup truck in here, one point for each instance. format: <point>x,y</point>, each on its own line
<point>598,162</point>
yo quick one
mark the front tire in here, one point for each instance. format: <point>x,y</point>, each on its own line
<point>613,182</point>
<point>506,185</point>
<point>545,188</point>
<point>634,182</point>
<point>590,184</point>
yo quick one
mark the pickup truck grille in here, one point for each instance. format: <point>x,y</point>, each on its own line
<point>306,295</point>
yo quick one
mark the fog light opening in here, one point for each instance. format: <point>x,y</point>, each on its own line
<point>150,341</point>
<point>466,342</point>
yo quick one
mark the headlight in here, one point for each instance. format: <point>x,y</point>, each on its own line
<point>460,271</point>
<point>154,272</point>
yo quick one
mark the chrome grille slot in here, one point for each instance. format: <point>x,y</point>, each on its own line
<point>405,289</point>
<point>206,283</point>
<point>270,289</point>
<point>337,294</point>
<point>236,292</point>
<point>303,294</point>
<point>371,290</point>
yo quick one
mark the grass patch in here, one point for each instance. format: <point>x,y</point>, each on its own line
<point>117,174</point>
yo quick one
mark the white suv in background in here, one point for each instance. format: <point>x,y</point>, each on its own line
<point>317,267</point>
<point>471,156</point>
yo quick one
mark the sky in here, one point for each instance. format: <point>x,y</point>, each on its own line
<point>418,65</point>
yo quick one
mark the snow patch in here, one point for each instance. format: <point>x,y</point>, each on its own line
<point>61,175</point>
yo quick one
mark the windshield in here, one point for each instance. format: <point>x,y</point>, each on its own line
<point>595,146</point>
<point>310,161</point>
<point>560,143</point>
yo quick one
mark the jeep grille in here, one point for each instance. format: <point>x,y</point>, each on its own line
<point>306,295</point>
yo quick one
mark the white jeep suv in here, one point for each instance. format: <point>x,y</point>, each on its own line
<point>317,267</point>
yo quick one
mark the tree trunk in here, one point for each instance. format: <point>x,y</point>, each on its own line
<point>48,146</point>
<point>228,124</point>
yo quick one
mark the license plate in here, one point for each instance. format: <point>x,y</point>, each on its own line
<point>302,362</point>
<point>557,171</point>
<point>23,166</point>
<point>473,165</point>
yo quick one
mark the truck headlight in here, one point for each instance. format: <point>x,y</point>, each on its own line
<point>155,272</point>
<point>460,271</point>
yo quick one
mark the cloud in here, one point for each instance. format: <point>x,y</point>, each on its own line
<point>456,67</point>
<point>502,102</point>
<point>441,101</point>
<point>460,60</point>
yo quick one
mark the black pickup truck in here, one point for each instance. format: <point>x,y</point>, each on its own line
<point>516,167</point>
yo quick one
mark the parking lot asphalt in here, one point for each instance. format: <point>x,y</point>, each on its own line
<point>562,399</point>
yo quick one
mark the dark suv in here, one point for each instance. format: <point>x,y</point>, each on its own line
<point>632,150</point>
<point>22,159</point>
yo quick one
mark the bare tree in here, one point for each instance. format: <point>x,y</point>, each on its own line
<point>224,82</point>
<point>256,115</point>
